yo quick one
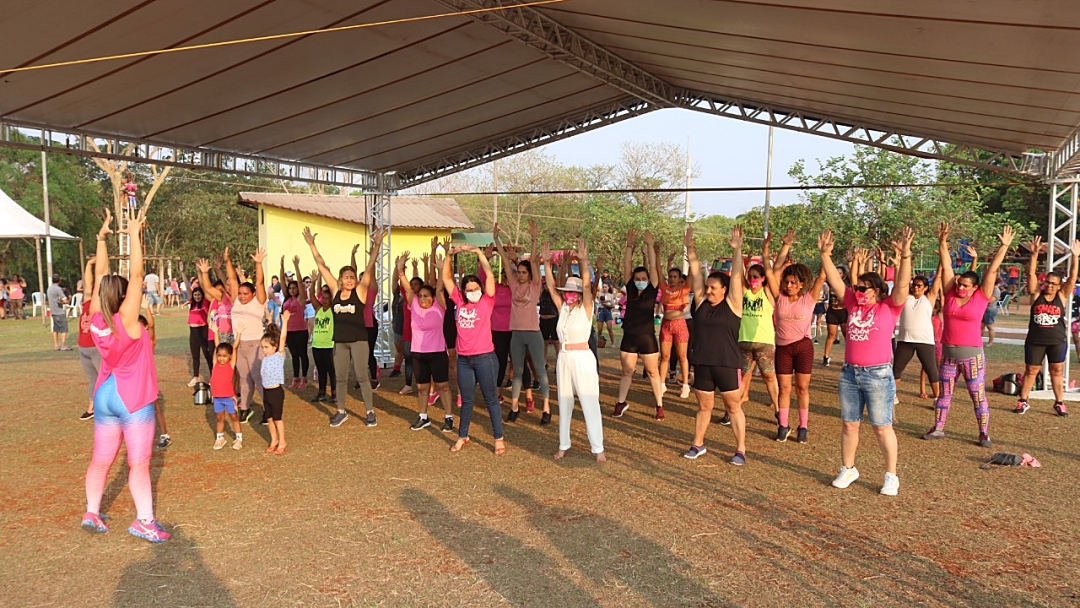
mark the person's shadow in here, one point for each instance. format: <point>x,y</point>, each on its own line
<point>173,574</point>
<point>603,549</point>
<point>521,574</point>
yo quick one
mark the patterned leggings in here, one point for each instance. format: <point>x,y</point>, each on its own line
<point>113,424</point>
<point>974,371</point>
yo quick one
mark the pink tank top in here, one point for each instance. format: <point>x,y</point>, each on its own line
<point>793,319</point>
<point>131,362</point>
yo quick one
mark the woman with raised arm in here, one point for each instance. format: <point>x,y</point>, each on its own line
<point>962,348</point>
<point>431,364</point>
<point>866,383</point>
<point>296,335</point>
<point>915,332</point>
<point>322,340</point>
<point>757,334</point>
<point>674,297</point>
<point>350,331</point>
<point>525,323</point>
<point>475,351</point>
<point>126,387</point>
<point>795,295</point>
<point>248,310</point>
<point>1046,338</point>
<point>639,334</point>
<point>89,357</point>
<point>714,351</point>
<point>575,369</point>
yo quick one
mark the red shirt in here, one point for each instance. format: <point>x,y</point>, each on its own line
<point>86,340</point>
<point>221,380</point>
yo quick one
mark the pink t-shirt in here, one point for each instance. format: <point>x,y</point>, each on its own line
<point>870,331</point>
<point>369,307</point>
<point>131,362</point>
<point>963,324</point>
<point>15,291</point>
<point>197,315</point>
<point>427,327</point>
<point>523,312</point>
<point>793,319</point>
<point>500,317</point>
<point>474,324</point>
<point>296,321</point>
<point>222,311</point>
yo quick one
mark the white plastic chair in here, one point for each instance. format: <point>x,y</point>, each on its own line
<point>1003,304</point>
<point>38,300</point>
<point>75,307</point>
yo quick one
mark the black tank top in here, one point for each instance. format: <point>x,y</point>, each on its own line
<point>1047,324</point>
<point>639,309</point>
<point>348,318</point>
<point>715,339</point>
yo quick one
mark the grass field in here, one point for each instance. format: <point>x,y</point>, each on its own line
<point>388,517</point>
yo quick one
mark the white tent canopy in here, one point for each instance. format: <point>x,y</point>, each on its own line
<point>21,224</point>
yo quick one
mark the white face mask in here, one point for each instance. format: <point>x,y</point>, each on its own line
<point>641,285</point>
<point>473,296</point>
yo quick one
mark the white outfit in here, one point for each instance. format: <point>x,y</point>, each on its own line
<point>576,373</point>
<point>915,322</point>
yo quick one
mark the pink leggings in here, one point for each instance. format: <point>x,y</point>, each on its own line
<point>113,424</point>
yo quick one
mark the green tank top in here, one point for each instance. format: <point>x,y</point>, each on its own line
<point>757,318</point>
<point>323,334</point>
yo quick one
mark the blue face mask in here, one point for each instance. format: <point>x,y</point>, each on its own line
<point>641,285</point>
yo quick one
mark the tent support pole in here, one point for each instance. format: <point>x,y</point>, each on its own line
<point>40,280</point>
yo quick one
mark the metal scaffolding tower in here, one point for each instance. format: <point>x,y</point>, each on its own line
<point>1061,234</point>
<point>378,203</point>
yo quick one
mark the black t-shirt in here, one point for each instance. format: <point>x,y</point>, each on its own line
<point>715,339</point>
<point>547,305</point>
<point>398,306</point>
<point>639,308</point>
<point>1047,324</point>
<point>348,318</point>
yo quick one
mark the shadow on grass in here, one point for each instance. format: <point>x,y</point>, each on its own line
<point>172,575</point>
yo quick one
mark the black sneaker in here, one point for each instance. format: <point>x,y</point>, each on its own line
<point>545,418</point>
<point>448,424</point>
<point>726,420</point>
<point>536,385</point>
<point>332,400</point>
<point>318,398</point>
<point>513,415</point>
<point>87,416</point>
<point>825,361</point>
<point>782,433</point>
<point>395,373</point>
<point>421,423</point>
<point>801,436</point>
<point>370,420</point>
<point>339,418</point>
<point>509,383</point>
<point>245,415</point>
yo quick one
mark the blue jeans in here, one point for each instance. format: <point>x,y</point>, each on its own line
<point>473,370</point>
<point>871,389</point>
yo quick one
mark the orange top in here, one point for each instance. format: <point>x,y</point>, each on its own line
<point>674,298</point>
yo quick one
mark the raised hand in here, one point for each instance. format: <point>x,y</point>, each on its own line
<point>943,232</point>
<point>688,238</point>
<point>970,249</point>
<point>545,254</point>
<point>202,265</point>
<point>446,244</point>
<point>225,256</point>
<point>907,237</point>
<point>1036,245</point>
<point>260,255</point>
<point>489,251</point>
<point>308,236</point>
<point>495,230</point>
<point>105,224</point>
<point>296,260</point>
<point>789,237</point>
<point>649,240</point>
<point>1007,235</point>
<point>736,239</point>
<point>355,248</point>
<point>1075,249</point>
<point>532,229</point>
<point>582,250</point>
<point>135,224</point>
<point>825,243</point>
<point>380,234</point>
<point>631,236</point>
<point>768,238</point>
<point>285,315</point>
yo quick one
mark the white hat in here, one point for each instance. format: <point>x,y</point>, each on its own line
<point>572,284</point>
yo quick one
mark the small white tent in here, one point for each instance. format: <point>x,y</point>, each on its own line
<point>18,223</point>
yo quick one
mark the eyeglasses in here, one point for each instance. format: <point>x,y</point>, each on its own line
<point>1048,284</point>
<point>862,288</point>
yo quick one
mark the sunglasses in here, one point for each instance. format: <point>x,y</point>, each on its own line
<point>862,288</point>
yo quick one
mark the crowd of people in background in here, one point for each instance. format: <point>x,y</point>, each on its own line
<point>457,331</point>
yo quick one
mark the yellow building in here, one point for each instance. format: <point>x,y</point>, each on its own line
<point>341,222</point>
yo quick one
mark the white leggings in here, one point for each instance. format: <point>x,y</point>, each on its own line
<point>576,373</point>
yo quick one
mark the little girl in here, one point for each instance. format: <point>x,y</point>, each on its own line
<point>222,392</point>
<point>273,376</point>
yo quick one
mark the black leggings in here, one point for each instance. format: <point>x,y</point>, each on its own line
<point>372,338</point>
<point>199,340</point>
<point>324,362</point>
<point>502,352</point>
<point>927,357</point>
<point>297,343</point>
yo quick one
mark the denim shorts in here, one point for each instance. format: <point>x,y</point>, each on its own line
<point>224,404</point>
<point>867,389</point>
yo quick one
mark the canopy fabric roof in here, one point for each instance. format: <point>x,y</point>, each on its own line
<point>21,224</point>
<point>408,211</point>
<point>998,74</point>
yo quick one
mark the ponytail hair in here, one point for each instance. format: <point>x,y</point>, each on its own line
<point>273,335</point>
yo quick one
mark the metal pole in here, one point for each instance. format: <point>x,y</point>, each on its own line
<point>686,205</point>
<point>495,197</point>
<point>40,280</point>
<point>768,180</point>
<point>82,256</point>
<point>48,217</point>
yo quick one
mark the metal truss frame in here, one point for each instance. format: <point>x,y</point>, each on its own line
<point>1065,160</point>
<point>77,142</point>
<point>1064,197</point>
<point>379,208</point>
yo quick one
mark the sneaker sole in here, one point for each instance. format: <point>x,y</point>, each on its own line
<point>339,423</point>
<point>414,428</point>
<point>366,423</point>
<point>695,456</point>
<point>883,492</point>
<point>846,485</point>
<point>145,537</point>
<point>92,528</point>
<point>784,438</point>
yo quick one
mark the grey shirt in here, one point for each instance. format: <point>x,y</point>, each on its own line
<point>56,295</point>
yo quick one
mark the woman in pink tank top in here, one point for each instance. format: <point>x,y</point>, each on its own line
<point>126,387</point>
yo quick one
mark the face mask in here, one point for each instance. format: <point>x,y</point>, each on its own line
<point>962,292</point>
<point>641,285</point>
<point>862,299</point>
<point>756,283</point>
<point>571,298</point>
<point>473,296</point>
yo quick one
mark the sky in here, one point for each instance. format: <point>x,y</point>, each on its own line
<point>727,152</point>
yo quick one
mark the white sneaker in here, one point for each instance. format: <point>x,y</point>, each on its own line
<point>891,485</point>
<point>237,443</point>
<point>407,390</point>
<point>219,443</point>
<point>194,381</point>
<point>846,477</point>
<point>896,400</point>
<point>685,391</point>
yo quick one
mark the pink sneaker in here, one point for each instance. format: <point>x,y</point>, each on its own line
<point>433,398</point>
<point>295,383</point>
<point>152,531</point>
<point>303,383</point>
<point>94,523</point>
<point>459,400</point>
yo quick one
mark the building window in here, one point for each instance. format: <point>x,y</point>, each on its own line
<point>262,215</point>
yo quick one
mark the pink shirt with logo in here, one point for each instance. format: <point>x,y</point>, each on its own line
<point>963,323</point>
<point>427,327</point>
<point>197,314</point>
<point>131,362</point>
<point>793,319</point>
<point>296,320</point>
<point>523,313</point>
<point>500,317</point>
<point>474,324</point>
<point>870,331</point>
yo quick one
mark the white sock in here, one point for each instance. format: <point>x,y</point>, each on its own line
<point>221,435</point>
<point>423,416</point>
<point>240,436</point>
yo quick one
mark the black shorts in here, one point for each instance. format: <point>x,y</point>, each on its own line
<point>273,402</point>
<point>709,378</point>
<point>449,332</point>
<point>548,329</point>
<point>640,342</point>
<point>431,366</point>
<point>795,358</point>
<point>820,309</point>
<point>836,316</point>
<point>1053,353</point>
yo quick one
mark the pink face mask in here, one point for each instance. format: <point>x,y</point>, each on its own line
<point>571,298</point>
<point>962,292</point>
<point>756,283</point>
<point>862,299</point>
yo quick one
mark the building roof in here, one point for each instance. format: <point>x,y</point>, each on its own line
<point>406,211</point>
